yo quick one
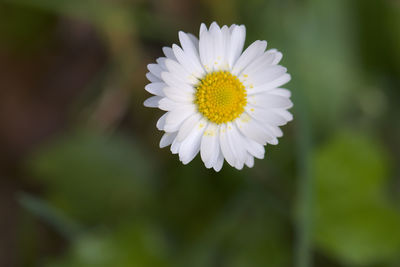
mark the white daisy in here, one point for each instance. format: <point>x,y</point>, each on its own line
<point>219,101</point>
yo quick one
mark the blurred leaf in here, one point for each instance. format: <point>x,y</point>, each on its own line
<point>319,50</point>
<point>379,31</point>
<point>49,215</point>
<point>353,219</point>
<point>139,244</point>
<point>259,239</point>
<point>192,196</point>
<point>93,177</point>
<point>249,231</point>
<point>322,60</point>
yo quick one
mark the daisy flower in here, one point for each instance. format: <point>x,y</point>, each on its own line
<point>221,101</point>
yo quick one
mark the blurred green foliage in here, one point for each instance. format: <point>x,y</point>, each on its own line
<point>138,244</point>
<point>355,221</point>
<point>94,178</point>
<point>112,198</point>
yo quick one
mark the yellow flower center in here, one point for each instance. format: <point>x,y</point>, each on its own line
<point>220,97</point>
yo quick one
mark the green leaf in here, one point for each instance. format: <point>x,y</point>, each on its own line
<point>137,244</point>
<point>354,221</point>
<point>93,177</point>
<point>249,232</point>
<point>259,239</point>
<point>49,215</point>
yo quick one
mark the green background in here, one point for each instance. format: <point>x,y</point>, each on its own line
<point>83,182</point>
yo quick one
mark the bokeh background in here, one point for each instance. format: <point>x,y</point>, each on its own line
<point>83,182</point>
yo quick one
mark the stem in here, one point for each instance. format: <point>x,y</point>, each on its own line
<point>303,253</point>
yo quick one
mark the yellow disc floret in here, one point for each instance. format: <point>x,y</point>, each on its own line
<point>220,97</point>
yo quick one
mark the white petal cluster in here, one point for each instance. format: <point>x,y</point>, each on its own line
<point>173,80</point>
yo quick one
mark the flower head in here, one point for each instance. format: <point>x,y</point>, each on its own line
<point>220,101</point>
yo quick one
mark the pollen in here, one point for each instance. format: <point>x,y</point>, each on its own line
<point>220,97</point>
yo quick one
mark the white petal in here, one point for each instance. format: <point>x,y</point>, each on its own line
<point>178,95</point>
<point>266,100</point>
<point>155,69</point>
<point>209,149</point>
<point>169,53</point>
<point>161,62</point>
<point>265,115</point>
<point>161,122</point>
<point>271,130</point>
<point>255,149</point>
<point>255,50</point>
<point>261,62</point>
<point>281,92</point>
<point>220,162</point>
<point>218,46</point>
<point>206,50</point>
<point>187,126</point>
<point>167,139</point>
<point>155,88</point>
<point>273,141</point>
<point>176,117</point>
<point>194,40</point>
<point>237,145</point>
<point>226,39</point>
<point>167,104</point>
<point>203,28</point>
<point>152,78</point>
<point>284,113</point>
<point>265,75</point>
<point>249,161</point>
<point>173,80</point>
<point>275,130</point>
<point>252,129</point>
<point>152,102</point>
<point>271,85</point>
<point>278,57</point>
<point>175,146</point>
<point>226,148</point>
<point>190,50</point>
<point>178,72</point>
<point>235,48</point>
<point>187,62</point>
<point>191,145</point>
